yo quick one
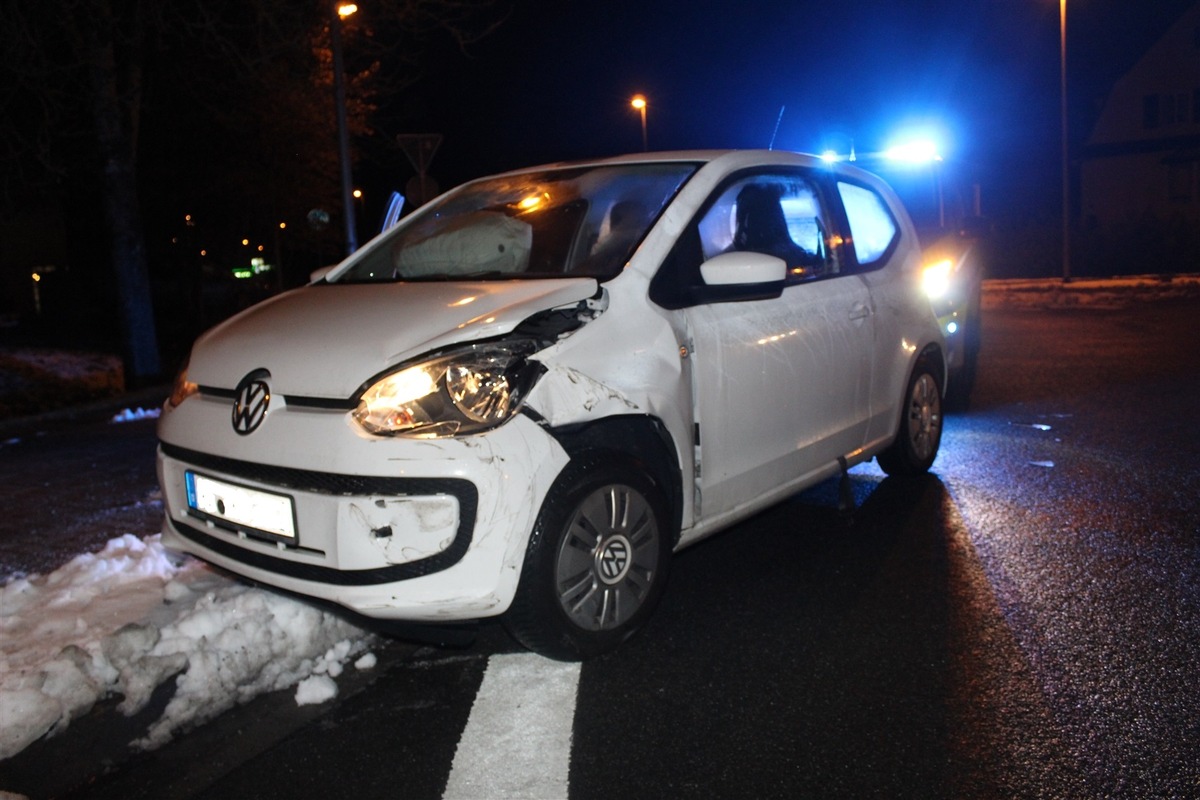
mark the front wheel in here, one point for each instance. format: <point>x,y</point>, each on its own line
<point>596,563</point>
<point>920,434</point>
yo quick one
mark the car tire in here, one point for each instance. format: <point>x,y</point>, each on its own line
<point>596,563</point>
<point>920,433</point>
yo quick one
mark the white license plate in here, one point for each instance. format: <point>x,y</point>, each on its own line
<point>241,506</point>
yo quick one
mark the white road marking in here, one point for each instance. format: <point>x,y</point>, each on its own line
<point>517,742</point>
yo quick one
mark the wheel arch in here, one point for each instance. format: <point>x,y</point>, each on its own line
<point>935,358</point>
<point>643,438</point>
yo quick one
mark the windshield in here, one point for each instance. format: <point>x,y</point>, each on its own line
<point>573,221</point>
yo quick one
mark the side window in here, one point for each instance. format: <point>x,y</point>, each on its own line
<point>872,227</point>
<point>776,214</point>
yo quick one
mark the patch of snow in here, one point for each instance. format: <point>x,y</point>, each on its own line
<point>315,689</point>
<point>125,620</point>
<point>133,414</point>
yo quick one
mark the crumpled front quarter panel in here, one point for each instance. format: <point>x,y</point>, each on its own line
<point>626,361</point>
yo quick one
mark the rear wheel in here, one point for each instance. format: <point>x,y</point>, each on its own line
<point>596,563</point>
<point>920,434</point>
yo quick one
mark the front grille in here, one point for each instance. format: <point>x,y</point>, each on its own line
<point>305,480</point>
<point>334,484</point>
<point>326,403</point>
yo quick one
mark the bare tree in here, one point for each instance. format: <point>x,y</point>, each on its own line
<point>76,87</point>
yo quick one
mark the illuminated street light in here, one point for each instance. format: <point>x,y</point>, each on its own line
<point>639,102</point>
<point>341,11</point>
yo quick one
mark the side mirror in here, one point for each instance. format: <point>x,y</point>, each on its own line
<point>730,269</point>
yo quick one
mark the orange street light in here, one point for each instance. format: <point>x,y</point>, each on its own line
<point>639,102</point>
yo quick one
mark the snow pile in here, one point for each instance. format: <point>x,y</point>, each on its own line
<point>126,619</point>
<point>134,414</point>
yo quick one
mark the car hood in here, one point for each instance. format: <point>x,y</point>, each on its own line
<point>325,340</point>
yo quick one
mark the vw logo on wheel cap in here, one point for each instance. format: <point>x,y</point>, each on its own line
<point>250,402</point>
<point>613,560</point>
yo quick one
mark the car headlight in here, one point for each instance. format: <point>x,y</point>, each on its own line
<point>466,391</point>
<point>935,278</point>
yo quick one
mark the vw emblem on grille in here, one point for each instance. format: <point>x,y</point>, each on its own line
<point>250,403</point>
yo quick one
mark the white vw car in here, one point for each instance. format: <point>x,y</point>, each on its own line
<point>526,396</point>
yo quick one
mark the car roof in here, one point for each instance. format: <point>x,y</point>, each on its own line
<point>725,160</point>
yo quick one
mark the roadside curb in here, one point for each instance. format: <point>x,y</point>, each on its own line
<point>1098,293</point>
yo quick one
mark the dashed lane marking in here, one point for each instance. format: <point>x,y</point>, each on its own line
<point>517,742</point>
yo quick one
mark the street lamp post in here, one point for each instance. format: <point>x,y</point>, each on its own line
<point>341,10</point>
<point>1066,168</point>
<point>639,102</point>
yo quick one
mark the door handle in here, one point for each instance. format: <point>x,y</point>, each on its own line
<point>859,311</point>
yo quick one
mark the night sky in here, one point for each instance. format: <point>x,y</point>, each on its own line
<point>554,82</point>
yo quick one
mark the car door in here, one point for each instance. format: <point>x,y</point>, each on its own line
<point>780,378</point>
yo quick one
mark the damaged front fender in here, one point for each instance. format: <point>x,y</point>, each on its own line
<point>565,395</point>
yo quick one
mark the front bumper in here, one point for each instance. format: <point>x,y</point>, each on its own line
<point>424,530</point>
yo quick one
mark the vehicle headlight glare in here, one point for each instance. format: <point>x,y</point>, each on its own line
<point>391,405</point>
<point>464,392</point>
<point>935,278</point>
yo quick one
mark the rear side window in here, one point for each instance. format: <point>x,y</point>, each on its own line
<point>873,229</point>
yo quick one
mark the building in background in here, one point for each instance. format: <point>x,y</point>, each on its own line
<point>1140,166</point>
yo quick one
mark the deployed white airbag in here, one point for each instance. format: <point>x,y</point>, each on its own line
<point>483,241</point>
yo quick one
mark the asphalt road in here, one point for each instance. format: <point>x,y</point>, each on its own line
<point>1025,622</point>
